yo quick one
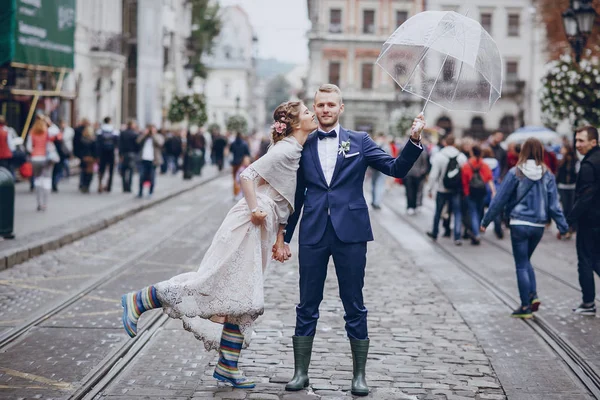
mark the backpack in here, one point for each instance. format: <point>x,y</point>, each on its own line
<point>452,178</point>
<point>477,187</point>
<point>106,138</point>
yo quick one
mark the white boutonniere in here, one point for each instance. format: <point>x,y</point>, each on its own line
<point>344,147</point>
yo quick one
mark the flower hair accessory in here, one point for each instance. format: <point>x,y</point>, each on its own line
<point>279,127</point>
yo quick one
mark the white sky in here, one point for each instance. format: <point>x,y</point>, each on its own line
<point>281,27</point>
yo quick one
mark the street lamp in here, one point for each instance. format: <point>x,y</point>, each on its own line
<point>578,21</point>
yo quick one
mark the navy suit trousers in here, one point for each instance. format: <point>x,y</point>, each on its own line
<point>350,260</point>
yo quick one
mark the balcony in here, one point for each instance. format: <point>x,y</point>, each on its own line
<point>108,42</point>
<point>107,49</point>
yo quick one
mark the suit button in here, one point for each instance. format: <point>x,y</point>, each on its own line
<point>329,190</point>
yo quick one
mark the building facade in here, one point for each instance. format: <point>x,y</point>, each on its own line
<point>344,42</point>
<point>99,63</point>
<point>347,36</point>
<point>519,35</point>
<point>229,87</point>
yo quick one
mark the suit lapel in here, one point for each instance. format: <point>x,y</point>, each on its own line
<point>314,152</point>
<point>340,157</point>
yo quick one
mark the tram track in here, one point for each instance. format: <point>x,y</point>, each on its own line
<point>10,337</point>
<point>569,353</point>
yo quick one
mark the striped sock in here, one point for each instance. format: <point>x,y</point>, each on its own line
<point>135,304</point>
<point>229,354</point>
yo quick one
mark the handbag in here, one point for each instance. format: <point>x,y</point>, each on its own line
<point>51,152</point>
<point>26,170</point>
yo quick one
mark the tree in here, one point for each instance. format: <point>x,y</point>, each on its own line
<point>278,91</point>
<point>188,107</point>
<point>551,14</point>
<point>572,92</point>
<point>237,124</point>
<point>206,26</point>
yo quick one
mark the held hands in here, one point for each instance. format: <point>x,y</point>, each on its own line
<point>417,127</point>
<point>281,251</point>
<point>258,217</point>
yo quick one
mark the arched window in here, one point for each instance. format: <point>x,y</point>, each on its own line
<point>477,129</point>
<point>507,124</point>
<point>445,123</point>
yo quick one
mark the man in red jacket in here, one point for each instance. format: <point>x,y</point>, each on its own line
<point>476,179</point>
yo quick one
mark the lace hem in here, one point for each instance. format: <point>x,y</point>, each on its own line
<point>249,174</point>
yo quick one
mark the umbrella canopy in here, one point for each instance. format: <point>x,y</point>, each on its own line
<point>446,58</point>
<point>541,133</point>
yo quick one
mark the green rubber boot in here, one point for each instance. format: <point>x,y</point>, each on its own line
<point>302,352</point>
<point>360,350</point>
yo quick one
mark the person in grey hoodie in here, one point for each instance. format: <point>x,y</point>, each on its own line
<point>439,166</point>
<point>412,182</point>
<point>528,195</point>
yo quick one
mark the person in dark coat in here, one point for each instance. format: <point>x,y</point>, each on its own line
<point>128,149</point>
<point>586,214</point>
<point>239,148</point>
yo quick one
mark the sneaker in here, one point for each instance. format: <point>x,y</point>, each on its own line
<point>431,235</point>
<point>584,309</point>
<point>447,234</point>
<point>524,313</point>
<point>410,211</point>
<point>475,241</point>
<point>535,304</point>
<point>458,242</point>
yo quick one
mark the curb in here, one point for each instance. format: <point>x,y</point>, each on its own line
<point>49,240</point>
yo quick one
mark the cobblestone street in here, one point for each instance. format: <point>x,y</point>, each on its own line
<point>437,331</point>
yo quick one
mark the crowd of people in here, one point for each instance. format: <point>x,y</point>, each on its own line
<point>519,187</point>
<point>51,150</point>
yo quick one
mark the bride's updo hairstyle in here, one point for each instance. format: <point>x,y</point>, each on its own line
<point>286,116</point>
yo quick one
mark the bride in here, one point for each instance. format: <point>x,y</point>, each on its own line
<point>225,296</point>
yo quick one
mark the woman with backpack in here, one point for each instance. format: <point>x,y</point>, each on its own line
<point>529,197</point>
<point>476,179</point>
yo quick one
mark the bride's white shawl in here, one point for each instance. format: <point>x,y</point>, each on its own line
<point>279,166</point>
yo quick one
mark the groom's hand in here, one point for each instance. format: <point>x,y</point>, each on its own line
<point>417,127</point>
<point>288,252</point>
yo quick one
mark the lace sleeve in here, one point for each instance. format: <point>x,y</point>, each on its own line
<point>249,174</point>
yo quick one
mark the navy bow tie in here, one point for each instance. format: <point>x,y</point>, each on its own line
<point>323,135</point>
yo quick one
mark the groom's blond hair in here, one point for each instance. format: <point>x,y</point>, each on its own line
<point>330,88</point>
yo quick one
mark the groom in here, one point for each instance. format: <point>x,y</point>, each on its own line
<point>335,223</point>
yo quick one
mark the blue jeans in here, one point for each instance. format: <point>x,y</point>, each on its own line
<point>475,206</point>
<point>524,240</point>
<point>377,187</point>
<point>455,203</point>
<point>147,173</point>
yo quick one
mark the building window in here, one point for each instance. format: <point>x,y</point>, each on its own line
<point>369,21</point>
<point>226,88</point>
<point>334,72</point>
<point>367,76</point>
<point>401,17</point>
<point>486,22</point>
<point>514,22</point>
<point>400,75</point>
<point>448,70</point>
<point>335,21</point>
<point>507,124</point>
<point>227,51</point>
<point>512,71</point>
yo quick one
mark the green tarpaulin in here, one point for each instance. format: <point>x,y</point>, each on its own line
<point>38,32</point>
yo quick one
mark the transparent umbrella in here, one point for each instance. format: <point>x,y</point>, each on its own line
<point>445,58</point>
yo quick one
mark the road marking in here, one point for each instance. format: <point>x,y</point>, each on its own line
<point>21,387</point>
<point>23,286</point>
<point>37,378</point>
<point>90,314</point>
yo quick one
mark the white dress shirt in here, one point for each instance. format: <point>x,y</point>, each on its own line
<point>328,149</point>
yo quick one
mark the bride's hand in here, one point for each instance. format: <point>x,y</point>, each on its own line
<point>258,217</point>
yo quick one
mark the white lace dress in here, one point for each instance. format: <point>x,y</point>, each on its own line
<point>229,282</point>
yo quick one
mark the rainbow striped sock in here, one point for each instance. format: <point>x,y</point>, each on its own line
<point>135,304</point>
<point>229,354</point>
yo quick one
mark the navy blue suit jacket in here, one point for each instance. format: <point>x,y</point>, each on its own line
<point>344,196</point>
